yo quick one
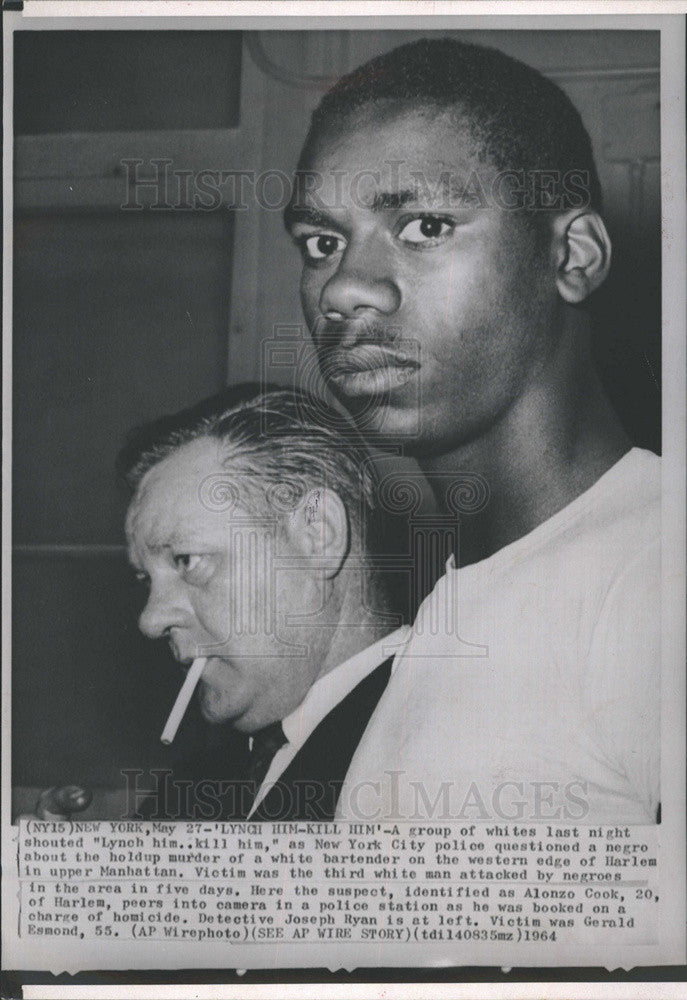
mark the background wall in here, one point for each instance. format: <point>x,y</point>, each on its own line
<point>121,314</point>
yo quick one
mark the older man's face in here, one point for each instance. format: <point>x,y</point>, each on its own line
<point>430,306</point>
<point>214,590</point>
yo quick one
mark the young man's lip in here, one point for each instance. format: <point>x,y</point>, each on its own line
<point>367,359</point>
<point>378,381</point>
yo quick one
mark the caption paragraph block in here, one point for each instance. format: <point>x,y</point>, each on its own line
<point>367,882</point>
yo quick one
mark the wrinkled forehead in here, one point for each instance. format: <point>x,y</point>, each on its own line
<point>171,493</point>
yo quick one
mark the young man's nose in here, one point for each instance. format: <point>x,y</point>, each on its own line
<point>162,612</point>
<point>360,284</point>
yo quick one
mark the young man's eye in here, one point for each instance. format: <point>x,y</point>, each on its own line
<point>319,246</point>
<point>425,229</point>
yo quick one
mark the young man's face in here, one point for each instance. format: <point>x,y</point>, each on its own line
<point>430,309</point>
<point>222,584</point>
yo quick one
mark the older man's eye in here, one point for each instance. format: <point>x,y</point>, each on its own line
<point>426,229</point>
<point>320,245</point>
<point>187,563</point>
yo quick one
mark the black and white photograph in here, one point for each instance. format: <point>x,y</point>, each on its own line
<point>344,493</point>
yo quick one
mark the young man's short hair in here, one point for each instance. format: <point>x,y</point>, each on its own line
<point>518,119</point>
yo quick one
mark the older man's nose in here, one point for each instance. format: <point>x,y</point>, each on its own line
<point>162,612</point>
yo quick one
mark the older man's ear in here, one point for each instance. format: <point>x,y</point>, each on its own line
<point>320,529</point>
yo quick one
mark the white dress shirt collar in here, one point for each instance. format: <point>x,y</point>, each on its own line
<point>323,696</point>
<point>333,686</point>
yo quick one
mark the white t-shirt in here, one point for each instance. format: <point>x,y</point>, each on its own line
<point>529,687</point>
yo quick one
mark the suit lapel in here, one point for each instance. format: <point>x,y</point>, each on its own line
<point>310,786</point>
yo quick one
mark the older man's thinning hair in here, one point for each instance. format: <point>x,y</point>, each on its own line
<point>278,445</point>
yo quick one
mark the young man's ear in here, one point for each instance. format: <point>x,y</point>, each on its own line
<point>320,529</point>
<point>583,254</point>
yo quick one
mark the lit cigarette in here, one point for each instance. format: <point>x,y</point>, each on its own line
<point>183,698</point>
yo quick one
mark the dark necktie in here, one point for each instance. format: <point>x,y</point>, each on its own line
<point>266,742</point>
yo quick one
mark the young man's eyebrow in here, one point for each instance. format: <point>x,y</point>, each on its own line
<point>381,201</point>
<point>308,216</point>
<point>385,200</point>
<point>446,192</point>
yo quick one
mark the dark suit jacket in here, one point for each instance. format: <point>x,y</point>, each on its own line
<point>199,789</point>
<point>310,786</point>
